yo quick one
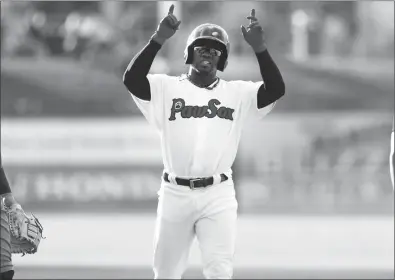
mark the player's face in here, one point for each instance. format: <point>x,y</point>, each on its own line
<point>205,59</point>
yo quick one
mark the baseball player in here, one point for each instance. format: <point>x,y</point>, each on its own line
<point>20,233</point>
<point>199,117</point>
<point>6,268</point>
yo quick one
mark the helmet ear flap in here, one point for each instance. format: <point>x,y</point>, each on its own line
<point>225,64</point>
<point>188,55</point>
<point>222,63</point>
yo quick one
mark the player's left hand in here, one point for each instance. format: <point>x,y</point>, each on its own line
<point>254,34</point>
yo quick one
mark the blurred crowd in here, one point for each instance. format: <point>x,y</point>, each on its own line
<point>110,33</point>
<point>332,172</point>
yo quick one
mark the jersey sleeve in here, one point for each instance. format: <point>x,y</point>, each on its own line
<point>250,100</point>
<point>153,109</point>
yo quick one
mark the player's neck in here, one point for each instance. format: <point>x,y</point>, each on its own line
<point>201,79</point>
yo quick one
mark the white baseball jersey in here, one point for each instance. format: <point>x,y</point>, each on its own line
<point>199,128</point>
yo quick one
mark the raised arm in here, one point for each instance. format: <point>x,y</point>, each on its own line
<point>135,76</point>
<point>273,87</point>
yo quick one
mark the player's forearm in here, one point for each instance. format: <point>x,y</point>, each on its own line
<point>5,189</point>
<point>273,87</point>
<point>4,185</point>
<point>135,76</point>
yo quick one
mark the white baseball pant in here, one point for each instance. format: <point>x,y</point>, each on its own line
<point>208,213</point>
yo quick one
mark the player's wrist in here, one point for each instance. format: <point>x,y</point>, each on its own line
<point>10,202</point>
<point>260,49</point>
<point>158,39</point>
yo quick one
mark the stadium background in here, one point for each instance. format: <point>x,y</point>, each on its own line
<point>312,179</point>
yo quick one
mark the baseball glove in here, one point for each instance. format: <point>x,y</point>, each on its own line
<point>26,231</point>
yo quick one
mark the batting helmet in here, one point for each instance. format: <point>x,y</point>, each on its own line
<point>211,36</point>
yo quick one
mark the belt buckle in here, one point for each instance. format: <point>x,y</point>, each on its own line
<point>192,183</point>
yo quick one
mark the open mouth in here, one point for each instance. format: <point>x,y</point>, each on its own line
<point>206,63</point>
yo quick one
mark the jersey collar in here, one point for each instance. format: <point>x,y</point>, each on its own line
<point>209,87</point>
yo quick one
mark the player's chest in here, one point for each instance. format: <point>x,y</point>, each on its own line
<point>205,105</point>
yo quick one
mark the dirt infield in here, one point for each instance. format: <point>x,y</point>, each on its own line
<point>90,246</point>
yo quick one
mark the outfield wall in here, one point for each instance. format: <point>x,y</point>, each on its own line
<point>115,164</point>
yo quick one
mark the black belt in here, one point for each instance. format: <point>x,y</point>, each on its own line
<point>195,183</point>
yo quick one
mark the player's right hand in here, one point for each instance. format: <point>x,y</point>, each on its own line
<point>167,27</point>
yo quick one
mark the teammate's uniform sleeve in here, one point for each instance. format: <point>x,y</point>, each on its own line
<point>5,243</point>
<point>153,109</point>
<point>6,266</point>
<point>249,91</point>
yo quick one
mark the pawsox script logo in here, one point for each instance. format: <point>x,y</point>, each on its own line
<point>209,111</point>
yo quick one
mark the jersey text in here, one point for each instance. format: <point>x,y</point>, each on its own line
<point>209,111</point>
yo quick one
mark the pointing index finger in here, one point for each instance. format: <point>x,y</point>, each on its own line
<point>171,9</point>
<point>252,15</point>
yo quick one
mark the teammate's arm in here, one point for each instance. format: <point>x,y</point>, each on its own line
<point>135,76</point>
<point>392,156</point>
<point>6,267</point>
<point>4,185</point>
<point>5,189</point>
<point>273,87</point>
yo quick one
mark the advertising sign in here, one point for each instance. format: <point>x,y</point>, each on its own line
<point>83,164</point>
